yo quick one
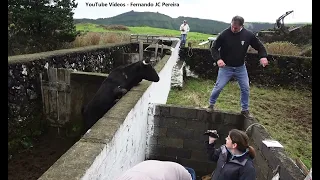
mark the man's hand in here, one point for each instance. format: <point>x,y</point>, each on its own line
<point>221,63</point>
<point>264,62</point>
<point>182,29</point>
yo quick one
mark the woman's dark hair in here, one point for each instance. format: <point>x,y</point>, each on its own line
<point>238,19</point>
<point>242,140</point>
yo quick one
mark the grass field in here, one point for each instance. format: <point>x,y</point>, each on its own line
<point>286,114</point>
<point>193,37</point>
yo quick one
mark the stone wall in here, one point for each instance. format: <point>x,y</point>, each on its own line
<point>286,71</point>
<point>24,91</point>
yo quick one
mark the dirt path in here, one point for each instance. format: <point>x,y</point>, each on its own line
<point>31,164</point>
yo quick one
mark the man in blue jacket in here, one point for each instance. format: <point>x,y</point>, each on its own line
<point>233,43</point>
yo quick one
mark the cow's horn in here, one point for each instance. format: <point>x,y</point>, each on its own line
<point>144,62</point>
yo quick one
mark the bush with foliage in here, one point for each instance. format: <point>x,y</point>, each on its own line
<point>42,25</point>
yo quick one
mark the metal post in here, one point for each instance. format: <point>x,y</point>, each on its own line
<point>161,49</point>
<point>156,51</point>
<point>140,50</point>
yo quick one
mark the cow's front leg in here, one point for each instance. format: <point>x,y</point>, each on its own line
<point>118,91</point>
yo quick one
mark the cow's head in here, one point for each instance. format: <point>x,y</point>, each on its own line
<point>148,72</point>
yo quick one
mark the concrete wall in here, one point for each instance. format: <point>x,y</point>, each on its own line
<point>83,87</point>
<point>268,159</point>
<point>118,140</point>
<point>177,135</point>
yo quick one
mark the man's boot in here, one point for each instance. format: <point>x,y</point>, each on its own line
<point>246,114</point>
<point>210,109</point>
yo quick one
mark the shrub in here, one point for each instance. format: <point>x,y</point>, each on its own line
<point>87,39</point>
<point>283,48</point>
<point>110,38</point>
<point>94,38</point>
<point>280,48</point>
<point>116,27</point>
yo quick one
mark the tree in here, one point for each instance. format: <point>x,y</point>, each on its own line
<point>39,25</point>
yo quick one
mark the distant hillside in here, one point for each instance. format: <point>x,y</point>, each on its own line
<point>158,20</point>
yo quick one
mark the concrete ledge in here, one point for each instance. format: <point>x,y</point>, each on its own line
<point>74,163</point>
<point>124,105</point>
<point>62,52</point>
<point>200,114</point>
<point>103,131</point>
<point>81,75</point>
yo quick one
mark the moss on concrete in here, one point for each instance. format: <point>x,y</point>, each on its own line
<point>103,131</point>
<point>75,162</point>
<point>143,86</point>
<point>90,73</point>
<point>162,63</point>
<point>62,52</point>
<point>122,108</point>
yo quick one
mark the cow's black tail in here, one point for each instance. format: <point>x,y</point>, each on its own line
<point>82,109</point>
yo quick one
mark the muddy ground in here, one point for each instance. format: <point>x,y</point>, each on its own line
<point>31,163</point>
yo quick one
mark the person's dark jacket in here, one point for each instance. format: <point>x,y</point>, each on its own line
<point>233,47</point>
<point>230,167</point>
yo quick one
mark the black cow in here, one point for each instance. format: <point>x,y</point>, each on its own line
<point>118,82</point>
